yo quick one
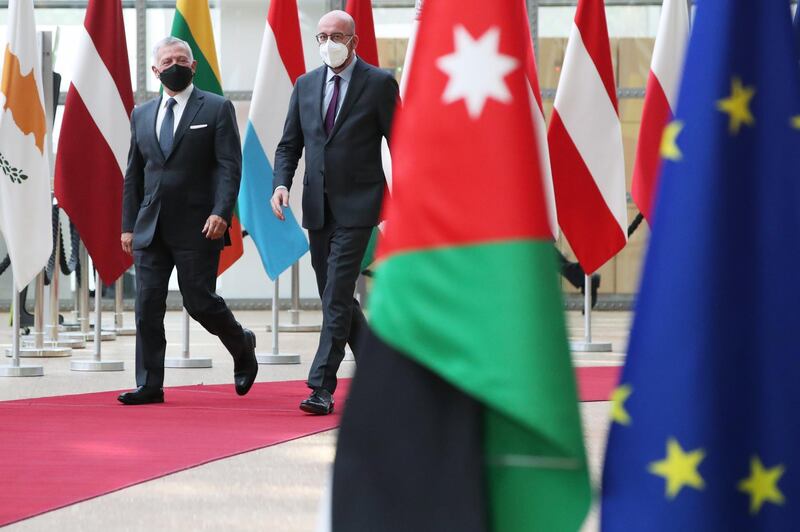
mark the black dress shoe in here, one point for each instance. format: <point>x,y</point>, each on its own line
<point>143,395</point>
<point>245,366</point>
<point>320,402</point>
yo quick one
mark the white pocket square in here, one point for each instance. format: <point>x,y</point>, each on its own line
<point>198,126</point>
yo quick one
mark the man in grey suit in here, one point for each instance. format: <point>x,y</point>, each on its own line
<point>339,113</point>
<point>184,168</point>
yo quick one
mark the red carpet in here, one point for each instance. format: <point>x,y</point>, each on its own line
<point>56,451</point>
<point>597,383</point>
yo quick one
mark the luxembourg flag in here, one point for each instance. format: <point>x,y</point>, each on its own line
<point>280,243</point>
<point>660,101</point>
<point>585,139</point>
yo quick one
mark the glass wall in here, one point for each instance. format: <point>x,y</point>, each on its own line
<point>238,31</point>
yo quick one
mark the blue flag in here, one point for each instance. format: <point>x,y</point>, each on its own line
<point>706,429</point>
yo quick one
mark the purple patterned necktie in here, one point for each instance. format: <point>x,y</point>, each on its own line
<point>330,115</point>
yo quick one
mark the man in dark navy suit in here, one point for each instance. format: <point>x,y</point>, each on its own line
<point>339,113</point>
<point>184,168</point>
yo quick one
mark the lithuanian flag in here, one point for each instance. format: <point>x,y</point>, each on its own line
<point>463,414</point>
<point>192,23</point>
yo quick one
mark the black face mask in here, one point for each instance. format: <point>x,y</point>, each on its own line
<point>177,77</point>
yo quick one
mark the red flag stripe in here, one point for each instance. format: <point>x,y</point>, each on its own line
<point>361,11</point>
<point>591,21</point>
<point>464,203</point>
<point>655,116</point>
<point>586,216</point>
<point>285,24</point>
<point>530,55</point>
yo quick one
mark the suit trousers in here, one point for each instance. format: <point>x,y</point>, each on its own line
<point>197,279</point>
<point>336,255</point>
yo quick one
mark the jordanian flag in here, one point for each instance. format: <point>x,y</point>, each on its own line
<point>192,23</point>
<point>464,416</point>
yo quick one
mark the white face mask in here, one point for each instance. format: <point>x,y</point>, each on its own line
<point>334,54</point>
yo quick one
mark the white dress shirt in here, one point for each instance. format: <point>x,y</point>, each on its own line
<point>181,99</point>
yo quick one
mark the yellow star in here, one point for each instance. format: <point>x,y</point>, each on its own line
<point>669,141</point>
<point>618,398</point>
<point>737,106</point>
<point>679,468</point>
<point>796,122</point>
<point>762,485</point>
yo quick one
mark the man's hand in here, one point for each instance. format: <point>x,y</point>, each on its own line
<point>127,243</point>
<point>215,227</point>
<point>280,199</point>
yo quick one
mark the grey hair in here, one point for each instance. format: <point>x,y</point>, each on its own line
<point>169,41</point>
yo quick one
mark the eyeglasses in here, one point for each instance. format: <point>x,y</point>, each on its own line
<point>340,38</point>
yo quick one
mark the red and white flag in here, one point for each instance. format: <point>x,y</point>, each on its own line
<point>660,100</point>
<point>97,122</point>
<point>585,138</point>
<point>538,119</point>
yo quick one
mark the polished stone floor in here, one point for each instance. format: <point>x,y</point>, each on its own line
<point>277,488</point>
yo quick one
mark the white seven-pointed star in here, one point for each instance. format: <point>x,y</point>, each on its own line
<point>477,70</point>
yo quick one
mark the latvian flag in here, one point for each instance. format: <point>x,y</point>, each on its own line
<point>660,101</point>
<point>586,144</point>
<point>97,121</point>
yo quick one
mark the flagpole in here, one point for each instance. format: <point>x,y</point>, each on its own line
<point>53,327</point>
<point>277,357</point>
<point>85,332</point>
<point>16,369</point>
<point>36,347</point>
<point>186,360</point>
<point>96,363</point>
<point>119,317</point>
<point>587,346</point>
<point>294,313</point>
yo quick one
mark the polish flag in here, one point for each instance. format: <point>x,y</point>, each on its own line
<point>538,119</point>
<point>660,100</point>
<point>585,139</point>
<point>97,122</point>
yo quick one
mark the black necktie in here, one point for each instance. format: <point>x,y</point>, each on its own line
<point>167,128</point>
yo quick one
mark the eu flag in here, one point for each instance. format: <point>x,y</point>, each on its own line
<point>706,421</point>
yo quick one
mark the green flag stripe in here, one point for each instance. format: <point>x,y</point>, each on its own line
<point>204,78</point>
<point>527,489</point>
<point>489,319</point>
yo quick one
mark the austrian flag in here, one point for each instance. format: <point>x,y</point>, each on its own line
<point>586,144</point>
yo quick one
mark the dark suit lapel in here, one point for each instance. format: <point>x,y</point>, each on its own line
<point>192,106</point>
<point>319,82</point>
<point>150,116</point>
<point>354,90</point>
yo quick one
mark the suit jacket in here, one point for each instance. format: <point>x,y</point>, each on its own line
<point>199,177</point>
<point>347,164</point>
